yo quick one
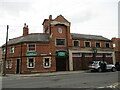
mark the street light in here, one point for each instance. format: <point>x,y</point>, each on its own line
<point>4,71</point>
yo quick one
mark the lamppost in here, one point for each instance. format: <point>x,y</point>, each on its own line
<point>4,71</point>
<point>94,53</point>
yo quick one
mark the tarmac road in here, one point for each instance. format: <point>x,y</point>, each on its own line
<point>78,80</point>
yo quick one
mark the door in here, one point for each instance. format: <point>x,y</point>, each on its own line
<point>60,63</point>
<point>18,66</point>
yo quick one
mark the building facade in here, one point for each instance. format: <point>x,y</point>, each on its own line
<point>56,49</point>
<point>116,46</point>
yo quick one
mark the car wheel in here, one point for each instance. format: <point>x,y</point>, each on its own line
<point>99,70</point>
<point>113,69</point>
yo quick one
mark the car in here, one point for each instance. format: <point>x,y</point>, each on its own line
<point>101,66</point>
<point>117,65</point>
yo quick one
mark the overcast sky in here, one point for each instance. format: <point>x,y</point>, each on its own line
<point>96,17</point>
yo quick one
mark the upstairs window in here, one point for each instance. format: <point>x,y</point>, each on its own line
<point>76,43</point>
<point>87,44</point>
<point>31,48</point>
<point>3,51</point>
<point>60,42</point>
<point>107,45</point>
<point>12,50</point>
<point>97,45</point>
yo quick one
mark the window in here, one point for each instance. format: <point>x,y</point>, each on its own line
<point>3,51</point>
<point>98,45</point>
<point>88,55</point>
<point>114,45</point>
<point>60,42</point>
<point>107,45</point>
<point>76,43</point>
<point>108,55</point>
<point>12,50</point>
<point>8,64</point>
<point>46,62</point>
<point>99,55</point>
<point>87,44</point>
<point>30,62</point>
<point>31,47</point>
<point>77,55</point>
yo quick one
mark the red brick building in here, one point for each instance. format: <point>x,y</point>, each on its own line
<point>56,49</point>
<point>116,46</point>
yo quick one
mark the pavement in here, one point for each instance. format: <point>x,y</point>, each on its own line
<point>45,74</point>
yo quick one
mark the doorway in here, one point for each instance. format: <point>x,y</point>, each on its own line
<point>18,66</point>
<point>61,64</point>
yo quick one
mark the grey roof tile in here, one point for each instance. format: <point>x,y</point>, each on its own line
<point>34,37</point>
<point>88,37</point>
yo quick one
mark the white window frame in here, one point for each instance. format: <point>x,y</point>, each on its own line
<point>85,44</point>
<point>9,64</point>
<point>78,43</point>
<point>12,49</point>
<point>96,45</point>
<point>59,45</point>
<point>31,50</point>
<point>33,62</point>
<point>44,62</point>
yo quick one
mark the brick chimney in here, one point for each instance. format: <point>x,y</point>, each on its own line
<point>25,30</point>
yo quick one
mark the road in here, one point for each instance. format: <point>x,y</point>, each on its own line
<point>82,80</point>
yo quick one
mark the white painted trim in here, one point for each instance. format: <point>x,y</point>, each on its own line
<point>49,62</point>
<point>28,47</point>
<point>96,46</point>
<point>60,45</point>
<point>33,62</point>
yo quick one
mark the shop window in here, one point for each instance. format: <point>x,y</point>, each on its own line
<point>77,55</point>
<point>30,62</point>
<point>76,43</point>
<point>107,45</point>
<point>88,55</point>
<point>8,64</point>
<point>97,45</point>
<point>87,44</point>
<point>60,42</point>
<point>31,48</point>
<point>46,62</point>
<point>108,55</point>
<point>12,50</point>
<point>99,55</point>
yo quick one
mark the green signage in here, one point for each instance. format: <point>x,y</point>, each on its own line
<point>31,54</point>
<point>61,53</point>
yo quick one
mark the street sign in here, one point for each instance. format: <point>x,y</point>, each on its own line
<point>61,54</point>
<point>31,54</point>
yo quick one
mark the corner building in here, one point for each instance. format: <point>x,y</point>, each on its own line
<point>56,49</point>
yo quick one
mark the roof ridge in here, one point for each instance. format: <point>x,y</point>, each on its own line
<point>87,34</point>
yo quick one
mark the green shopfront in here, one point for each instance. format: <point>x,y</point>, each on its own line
<point>61,61</point>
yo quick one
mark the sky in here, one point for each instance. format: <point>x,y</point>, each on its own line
<point>95,17</point>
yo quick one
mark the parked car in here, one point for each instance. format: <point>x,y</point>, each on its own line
<point>117,65</point>
<point>101,66</point>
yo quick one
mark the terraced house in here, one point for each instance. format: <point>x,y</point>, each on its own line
<point>56,49</point>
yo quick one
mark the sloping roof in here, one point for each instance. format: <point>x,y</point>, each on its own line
<point>34,37</point>
<point>88,37</point>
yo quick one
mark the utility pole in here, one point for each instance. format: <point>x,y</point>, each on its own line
<point>4,69</point>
